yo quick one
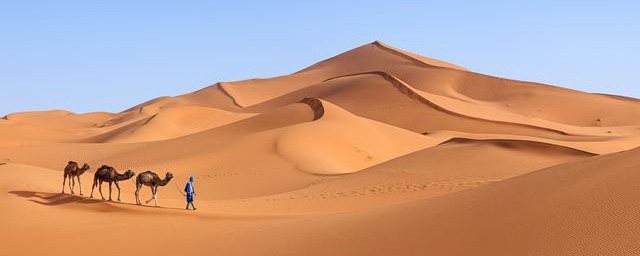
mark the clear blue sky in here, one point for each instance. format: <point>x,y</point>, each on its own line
<point>109,55</point>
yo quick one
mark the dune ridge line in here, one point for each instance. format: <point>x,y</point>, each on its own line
<point>410,92</point>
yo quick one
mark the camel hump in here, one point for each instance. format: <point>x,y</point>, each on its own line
<point>72,162</point>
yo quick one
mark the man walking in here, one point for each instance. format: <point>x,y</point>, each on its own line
<point>191,191</point>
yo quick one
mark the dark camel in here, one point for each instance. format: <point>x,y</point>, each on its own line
<point>152,180</point>
<point>109,174</point>
<point>72,170</point>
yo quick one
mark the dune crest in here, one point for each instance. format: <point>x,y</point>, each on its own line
<point>421,60</point>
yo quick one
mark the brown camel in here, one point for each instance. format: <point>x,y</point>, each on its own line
<point>152,180</point>
<point>72,170</point>
<point>109,174</point>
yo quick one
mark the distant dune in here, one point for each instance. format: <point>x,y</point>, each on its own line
<point>376,151</point>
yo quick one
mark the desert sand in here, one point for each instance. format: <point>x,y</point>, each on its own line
<point>376,151</point>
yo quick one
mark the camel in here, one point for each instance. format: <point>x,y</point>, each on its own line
<point>72,170</point>
<point>109,174</point>
<point>152,180</point>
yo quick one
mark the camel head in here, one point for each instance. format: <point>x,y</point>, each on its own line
<point>84,168</point>
<point>167,177</point>
<point>129,174</point>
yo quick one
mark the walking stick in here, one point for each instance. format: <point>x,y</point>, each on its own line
<point>180,191</point>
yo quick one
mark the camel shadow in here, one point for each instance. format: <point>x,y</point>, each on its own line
<point>47,198</point>
<point>139,205</point>
<point>53,199</point>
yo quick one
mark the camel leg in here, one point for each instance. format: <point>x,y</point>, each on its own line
<point>153,195</point>
<point>92,187</point>
<point>63,182</point>
<point>80,185</point>
<point>138,194</point>
<point>72,184</point>
<point>110,191</point>
<point>118,187</point>
<point>100,189</point>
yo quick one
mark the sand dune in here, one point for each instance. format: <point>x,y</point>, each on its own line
<point>584,208</point>
<point>341,143</point>
<point>293,128</point>
<point>422,174</point>
<point>174,122</point>
<point>446,80</point>
<point>376,151</point>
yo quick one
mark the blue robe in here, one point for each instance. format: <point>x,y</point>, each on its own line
<point>190,191</point>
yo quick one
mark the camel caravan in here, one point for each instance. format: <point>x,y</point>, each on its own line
<point>109,174</point>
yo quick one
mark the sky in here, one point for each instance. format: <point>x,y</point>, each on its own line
<point>86,56</point>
